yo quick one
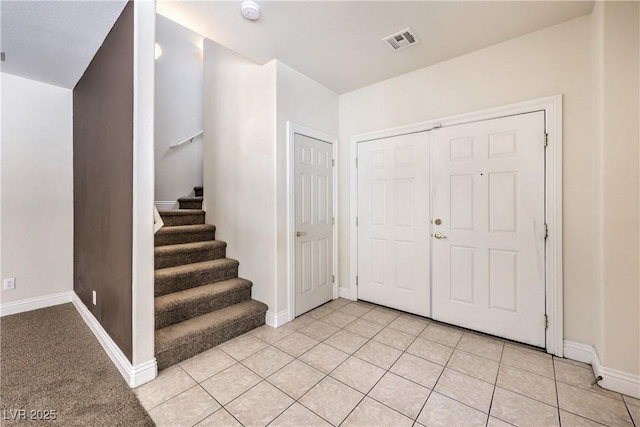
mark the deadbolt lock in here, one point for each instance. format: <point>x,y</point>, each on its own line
<point>438,221</point>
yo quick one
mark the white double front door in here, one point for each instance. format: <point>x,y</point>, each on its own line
<point>451,225</point>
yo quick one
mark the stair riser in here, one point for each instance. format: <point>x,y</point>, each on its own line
<point>192,345</point>
<point>182,258</point>
<point>191,219</point>
<point>178,238</point>
<point>175,283</point>
<point>190,204</point>
<point>197,308</point>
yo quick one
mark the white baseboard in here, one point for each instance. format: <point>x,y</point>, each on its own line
<point>29,304</point>
<point>613,379</point>
<point>576,351</point>
<point>133,375</point>
<point>277,319</point>
<point>166,205</point>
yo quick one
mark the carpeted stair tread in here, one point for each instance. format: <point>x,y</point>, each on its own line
<point>186,339</point>
<point>198,190</point>
<point>181,277</point>
<point>190,202</point>
<point>188,253</point>
<point>176,217</point>
<point>171,212</point>
<point>180,306</point>
<point>185,234</point>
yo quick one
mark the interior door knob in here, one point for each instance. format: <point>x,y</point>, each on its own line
<point>300,233</point>
<point>439,236</point>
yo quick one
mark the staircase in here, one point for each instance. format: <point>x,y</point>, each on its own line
<point>200,301</point>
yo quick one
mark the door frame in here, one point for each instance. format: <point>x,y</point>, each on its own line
<point>292,130</point>
<point>552,107</point>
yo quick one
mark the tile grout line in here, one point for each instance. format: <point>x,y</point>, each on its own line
<point>393,364</point>
<point>335,379</point>
<point>555,386</point>
<point>386,371</point>
<point>495,385</point>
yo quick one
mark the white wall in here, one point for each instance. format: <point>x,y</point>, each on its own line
<point>239,162</point>
<point>304,102</point>
<point>617,121</point>
<point>553,61</point>
<point>246,110</point>
<point>178,110</point>
<point>37,188</point>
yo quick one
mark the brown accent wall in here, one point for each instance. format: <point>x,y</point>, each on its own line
<point>103,182</point>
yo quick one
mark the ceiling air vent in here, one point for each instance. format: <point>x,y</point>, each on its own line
<point>401,40</point>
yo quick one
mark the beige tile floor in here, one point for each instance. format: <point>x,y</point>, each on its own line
<point>357,364</point>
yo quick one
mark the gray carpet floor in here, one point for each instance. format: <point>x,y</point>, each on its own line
<point>50,360</point>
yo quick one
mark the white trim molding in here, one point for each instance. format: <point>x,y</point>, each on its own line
<point>552,107</point>
<point>29,304</point>
<point>292,130</point>
<point>142,252</point>
<point>612,379</point>
<point>133,375</point>
<point>615,380</point>
<point>277,319</point>
<point>579,352</point>
<point>162,205</point>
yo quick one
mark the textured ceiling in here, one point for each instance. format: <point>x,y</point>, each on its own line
<point>54,41</point>
<point>339,43</point>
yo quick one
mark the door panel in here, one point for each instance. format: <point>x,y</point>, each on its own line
<point>393,222</point>
<point>488,192</point>
<point>313,181</point>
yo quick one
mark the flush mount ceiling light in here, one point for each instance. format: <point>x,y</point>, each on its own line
<point>401,39</point>
<point>158,51</point>
<point>250,10</point>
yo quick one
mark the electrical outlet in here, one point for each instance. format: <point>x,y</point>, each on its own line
<point>9,284</point>
<point>94,297</point>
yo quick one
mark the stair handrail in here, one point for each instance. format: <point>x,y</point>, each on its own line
<point>184,141</point>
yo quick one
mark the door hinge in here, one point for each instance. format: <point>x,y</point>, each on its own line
<point>546,230</point>
<point>333,220</point>
<point>333,163</point>
<point>546,322</point>
<point>333,278</point>
<point>546,139</point>
<point>356,162</point>
<point>356,280</point>
<point>356,221</point>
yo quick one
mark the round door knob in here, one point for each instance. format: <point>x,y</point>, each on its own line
<point>300,233</point>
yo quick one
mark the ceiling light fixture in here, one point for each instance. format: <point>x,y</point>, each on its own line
<point>250,10</point>
<point>158,51</point>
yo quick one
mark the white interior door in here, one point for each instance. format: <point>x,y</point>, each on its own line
<point>393,222</point>
<point>489,233</point>
<point>313,184</point>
